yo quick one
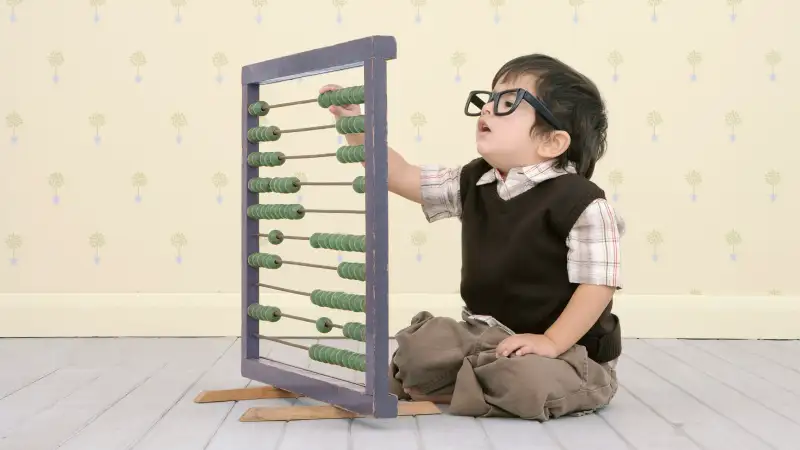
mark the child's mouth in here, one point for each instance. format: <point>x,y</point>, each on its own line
<point>483,128</point>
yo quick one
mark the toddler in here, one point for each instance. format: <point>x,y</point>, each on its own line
<point>540,254</point>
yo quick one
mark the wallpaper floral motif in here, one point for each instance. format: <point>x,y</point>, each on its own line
<point>122,152</point>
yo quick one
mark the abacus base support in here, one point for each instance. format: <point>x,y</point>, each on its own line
<point>235,395</point>
<point>290,413</point>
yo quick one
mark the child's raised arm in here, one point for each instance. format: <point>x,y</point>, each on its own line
<point>404,178</point>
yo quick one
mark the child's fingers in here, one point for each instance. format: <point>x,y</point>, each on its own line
<point>329,87</point>
<point>524,350</point>
<point>506,347</point>
<point>347,110</point>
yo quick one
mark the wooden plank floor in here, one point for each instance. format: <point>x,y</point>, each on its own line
<point>137,393</point>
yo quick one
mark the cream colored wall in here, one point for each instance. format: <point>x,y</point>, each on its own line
<point>119,165</point>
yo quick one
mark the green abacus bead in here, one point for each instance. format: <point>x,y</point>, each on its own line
<point>357,243</point>
<point>276,212</point>
<point>345,96</point>
<point>275,237</point>
<point>274,185</point>
<point>264,260</point>
<point>341,125</point>
<point>273,262</point>
<point>263,134</point>
<point>263,312</point>
<point>355,95</point>
<point>341,359</point>
<point>355,331</point>
<point>339,242</point>
<point>359,124</point>
<point>357,362</point>
<point>251,135</point>
<point>337,356</point>
<point>266,159</point>
<point>344,271</point>
<point>324,325</point>
<point>254,211</point>
<point>350,124</point>
<point>338,300</point>
<point>324,100</point>
<point>352,271</point>
<point>259,185</point>
<point>352,243</point>
<point>276,159</point>
<point>345,243</point>
<point>313,240</point>
<point>288,185</point>
<point>352,95</point>
<point>253,260</point>
<point>360,184</point>
<point>259,108</point>
<point>361,271</point>
<point>350,154</point>
<point>356,302</point>
<point>298,212</point>
<point>345,125</point>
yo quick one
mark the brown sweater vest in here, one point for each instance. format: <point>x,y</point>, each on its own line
<point>514,255</point>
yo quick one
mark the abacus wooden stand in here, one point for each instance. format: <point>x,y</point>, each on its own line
<point>289,413</point>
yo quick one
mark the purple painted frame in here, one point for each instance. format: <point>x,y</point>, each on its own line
<point>372,53</point>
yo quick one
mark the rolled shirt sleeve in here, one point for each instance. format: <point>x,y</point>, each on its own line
<point>440,188</point>
<point>594,246</point>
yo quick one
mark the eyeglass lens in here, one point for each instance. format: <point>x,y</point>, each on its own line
<point>504,103</point>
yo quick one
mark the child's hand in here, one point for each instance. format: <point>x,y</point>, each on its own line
<point>344,111</point>
<point>522,344</point>
<point>340,111</point>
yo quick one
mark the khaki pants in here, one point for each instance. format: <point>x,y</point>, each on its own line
<point>441,356</point>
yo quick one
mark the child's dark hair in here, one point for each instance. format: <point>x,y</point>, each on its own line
<point>573,99</point>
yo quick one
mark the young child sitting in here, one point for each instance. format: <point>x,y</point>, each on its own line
<point>540,254</point>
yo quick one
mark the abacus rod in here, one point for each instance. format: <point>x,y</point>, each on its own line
<point>296,130</point>
<point>335,211</point>
<point>291,291</point>
<point>281,341</point>
<point>326,183</point>
<point>304,319</point>
<point>298,102</point>
<point>318,266</point>
<point>315,155</point>
<point>302,238</point>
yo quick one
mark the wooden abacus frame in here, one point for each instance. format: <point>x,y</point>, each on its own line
<point>283,380</point>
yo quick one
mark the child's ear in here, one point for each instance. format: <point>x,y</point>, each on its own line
<point>554,144</point>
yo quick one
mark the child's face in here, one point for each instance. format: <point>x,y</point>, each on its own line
<point>508,141</point>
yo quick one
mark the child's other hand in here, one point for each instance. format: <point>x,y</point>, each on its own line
<point>340,111</point>
<point>522,344</point>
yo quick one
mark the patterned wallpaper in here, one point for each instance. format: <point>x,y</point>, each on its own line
<point>121,151</point>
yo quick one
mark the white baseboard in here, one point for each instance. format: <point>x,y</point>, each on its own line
<point>642,316</point>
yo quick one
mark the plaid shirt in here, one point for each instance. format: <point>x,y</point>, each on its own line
<point>593,243</point>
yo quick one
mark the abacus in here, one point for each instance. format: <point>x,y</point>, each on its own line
<point>374,398</point>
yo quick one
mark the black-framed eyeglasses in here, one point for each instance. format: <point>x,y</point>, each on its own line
<point>506,102</point>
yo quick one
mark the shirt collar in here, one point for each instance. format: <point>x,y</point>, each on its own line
<point>535,173</point>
